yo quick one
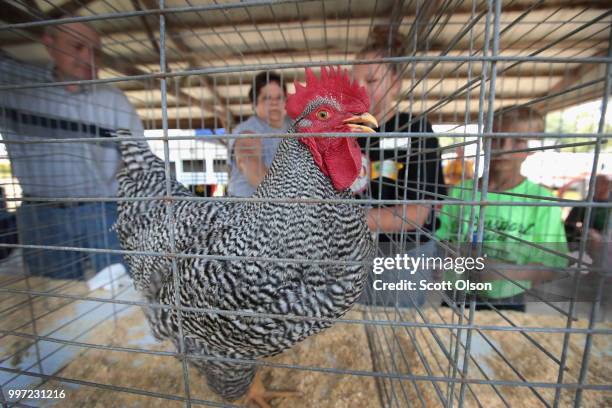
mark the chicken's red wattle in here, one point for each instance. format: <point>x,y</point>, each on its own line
<point>341,162</point>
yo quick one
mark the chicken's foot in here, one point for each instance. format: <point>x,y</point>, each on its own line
<point>260,396</point>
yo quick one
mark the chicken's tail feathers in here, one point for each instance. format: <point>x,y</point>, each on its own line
<point>136,153</point>
<point>143,173</point>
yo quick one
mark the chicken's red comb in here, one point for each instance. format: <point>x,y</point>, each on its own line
<point>334,83</point>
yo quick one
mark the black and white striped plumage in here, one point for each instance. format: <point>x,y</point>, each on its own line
<point>323,231</point>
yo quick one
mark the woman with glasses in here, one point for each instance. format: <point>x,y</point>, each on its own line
<point>250,157</point>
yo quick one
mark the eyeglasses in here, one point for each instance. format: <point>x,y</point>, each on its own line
<point>270,99</point>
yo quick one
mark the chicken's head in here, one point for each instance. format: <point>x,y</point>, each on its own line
<point>332,104</point>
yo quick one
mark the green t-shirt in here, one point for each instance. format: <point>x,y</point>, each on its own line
<point>537,224</point>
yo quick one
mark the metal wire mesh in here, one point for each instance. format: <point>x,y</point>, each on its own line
<point>186,68</point>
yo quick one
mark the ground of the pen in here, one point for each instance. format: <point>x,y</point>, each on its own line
<point>405,359</point>
<point>494,355</point>
<point>164,375</point>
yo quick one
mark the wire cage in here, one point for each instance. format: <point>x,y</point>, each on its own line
<point>493,143</point>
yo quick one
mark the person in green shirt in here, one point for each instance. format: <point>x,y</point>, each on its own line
<point>509,229</point>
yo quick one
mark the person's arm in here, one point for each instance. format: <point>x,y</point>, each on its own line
<point>249,160</point>
<point>397,218</point>
<point>128,117</point>
<point>135,122</point>
<point>427,166</point>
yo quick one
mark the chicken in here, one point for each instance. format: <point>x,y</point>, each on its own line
<point>236,243</point>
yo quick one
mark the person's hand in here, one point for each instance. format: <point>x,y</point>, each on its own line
<point>595,236</point>
<point>248,147</point>
<point>373,219</point>
<point>397,218</point>
<point>595,244</point>
<point>249,159</point>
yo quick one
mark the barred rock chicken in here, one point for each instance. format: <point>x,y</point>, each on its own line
<point>304,168</point>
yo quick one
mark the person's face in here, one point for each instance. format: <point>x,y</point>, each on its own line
<point>602,188</point>
<point>505,156</point>
<point>74,49</point>
<point>382,86</point>
<point>270,104</point>
<point>460,151</point>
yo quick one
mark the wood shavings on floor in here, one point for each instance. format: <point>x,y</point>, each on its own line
<point>343,346</point>
<point>496,355</point>
<point>385,351</point>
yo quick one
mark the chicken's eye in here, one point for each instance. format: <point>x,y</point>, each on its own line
<point>323,115</point>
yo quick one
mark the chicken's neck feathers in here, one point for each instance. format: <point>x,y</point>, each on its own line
<point>294,174</point>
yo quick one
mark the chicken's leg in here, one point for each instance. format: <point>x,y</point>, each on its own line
<point>259,395</point>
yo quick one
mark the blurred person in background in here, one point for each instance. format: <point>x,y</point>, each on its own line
<point>65,170</point>
<point>250,157</point>
<point>458,168</point>
<point>8,227</point>
<point>508,229</point>
<point>596,233</point>
<point>391,171</point>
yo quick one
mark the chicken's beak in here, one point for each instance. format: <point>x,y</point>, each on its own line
<point>363,123</point>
